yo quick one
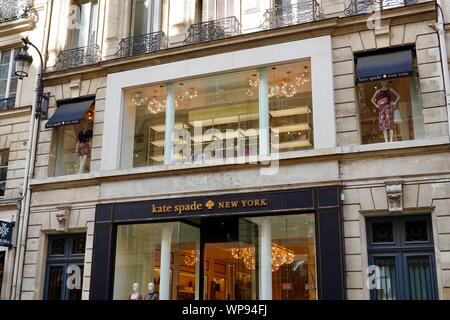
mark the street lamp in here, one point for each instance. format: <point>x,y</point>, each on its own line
<point>23,62</point>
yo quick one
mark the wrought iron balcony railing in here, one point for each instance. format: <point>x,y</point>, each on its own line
<point>7,103</point>
<point>279,17</point>
<point>146,43</point>
<point>11,10</point>
<point>368,6</point>
<point>213,30</point>
<point>77,57</point>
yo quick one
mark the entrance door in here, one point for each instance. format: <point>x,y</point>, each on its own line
<point>402,248</point>
<point>65,264</point>
<point>230,266</point>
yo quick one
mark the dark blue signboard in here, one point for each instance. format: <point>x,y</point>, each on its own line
<point>6,229</point>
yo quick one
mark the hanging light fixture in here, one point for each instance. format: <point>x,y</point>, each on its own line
<point>275,90</point>
<point>287,88</point>
<point>253,81</point>
<point>139,100</point>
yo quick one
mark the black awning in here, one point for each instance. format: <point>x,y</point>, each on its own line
<point>384,66</point>
<point>69,113</point>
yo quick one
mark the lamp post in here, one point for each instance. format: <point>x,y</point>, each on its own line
<point>39,110</point>
<point>23,62</point>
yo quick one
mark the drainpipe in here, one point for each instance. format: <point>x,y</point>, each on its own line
<point>22,220</point>
<point>439,27</point>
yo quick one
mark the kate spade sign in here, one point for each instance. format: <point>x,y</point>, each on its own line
<point>6,229</point>
<point>210,205</point>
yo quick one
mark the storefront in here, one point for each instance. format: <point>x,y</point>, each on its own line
<point>280,245</point>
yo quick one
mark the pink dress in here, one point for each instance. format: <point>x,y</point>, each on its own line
<point>385,110</point>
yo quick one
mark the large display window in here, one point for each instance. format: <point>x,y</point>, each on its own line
<point>219,117</point>
<point>218,259</point>
<point>389,98</point>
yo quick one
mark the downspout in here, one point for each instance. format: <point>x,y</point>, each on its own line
<point>23,218</point>
<point>444,56</point>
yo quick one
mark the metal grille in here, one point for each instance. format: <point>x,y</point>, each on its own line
<point>78,57</point>
<point>368,6</point>
<point>7,103</point>
<point>213,30</point>
<point>291,15</point>
<point>146,43</point>
<point>11,10</point>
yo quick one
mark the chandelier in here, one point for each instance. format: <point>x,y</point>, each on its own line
<point>303,78</point>
<point>191,258</point>
<point>139,100</point>
<point>280,256</point>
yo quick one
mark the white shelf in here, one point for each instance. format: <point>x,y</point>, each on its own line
<point>161,143</point>
<point>162,127</point>
<point>290,112</point>
<point>226,120</point>
<point>292,144</point>
<point>292,128</point>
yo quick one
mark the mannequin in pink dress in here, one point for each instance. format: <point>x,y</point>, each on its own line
<point>385,100</point>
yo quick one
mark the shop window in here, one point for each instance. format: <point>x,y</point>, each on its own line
<point>65,266</point>
<point>389,98</point>
<point>84,19</point>
<point>228,251</point>
<point>218,117</point>
<point>4,156</point>
<point>8,79</point>
<point>73,124</point>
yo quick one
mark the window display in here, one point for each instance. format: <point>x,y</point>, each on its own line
<point>218,117</point>
<point>232,259</point>
<point>72,150</point>
<point>390,106</point>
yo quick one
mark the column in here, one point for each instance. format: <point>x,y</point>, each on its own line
<point>164,272</point>
<point>264,137</point>
<point>170,124</point>
<point>265,258</point>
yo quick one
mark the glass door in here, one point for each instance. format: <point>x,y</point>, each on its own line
<point>230,260</point>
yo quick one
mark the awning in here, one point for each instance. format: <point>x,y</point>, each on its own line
<point>384,66</point>
<point>69,113</point>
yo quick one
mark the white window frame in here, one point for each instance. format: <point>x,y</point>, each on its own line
<point>318,50</point>
<point>10,73</point>
<point>3,167</point>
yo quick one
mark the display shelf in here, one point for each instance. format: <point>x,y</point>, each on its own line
<point>292,128</point>
<point>162,127</point>
<point>290,112</point>
<point>292,144</point>
<point>225,120</point>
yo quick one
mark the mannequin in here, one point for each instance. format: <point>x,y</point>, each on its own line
<point>136,295</point>
<point>151,295</point>
<point>383,100</point>
<point>83,149</point>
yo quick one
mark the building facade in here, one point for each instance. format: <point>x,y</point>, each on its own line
<point>18,19</point>
<point>260,149</point>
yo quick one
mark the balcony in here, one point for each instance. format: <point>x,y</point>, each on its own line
<point>369,6</point>
<point>7,103</point>
<point>77,57</point>
<point>12,10</point>
<point>291,15</point>
<point>213,30</point>
<point>146,43</point>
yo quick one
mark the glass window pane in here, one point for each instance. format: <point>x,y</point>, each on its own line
<point>290,104</point>
<point>2,189</point>
<point>6,57</point>
<point>216,118</point>
<point>391,110</point>
<point>382,232</point>
<point>420,278</point>
<point>388,278</point>
<point>3,173</point>
<point>75,282</point>
<point>13,87</point>
<point>58,247</point>
<point>4,71</point>
<point>416,231</point>
<point>55,283</point>
<point>79,245</point>
<point>141,17</point>
<point>3,84</point>
<point>73,152</point>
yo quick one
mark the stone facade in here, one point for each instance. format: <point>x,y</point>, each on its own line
<point>420,166</point>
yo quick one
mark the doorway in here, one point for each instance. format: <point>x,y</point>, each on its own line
<point>230,259</point>
<point>402,248</point>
